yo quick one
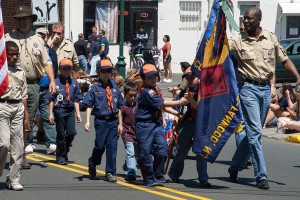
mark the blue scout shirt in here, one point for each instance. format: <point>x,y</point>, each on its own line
<point>96,97</point>
<point>188,111</point>
<point>75,94</point>
<point>149,105</point>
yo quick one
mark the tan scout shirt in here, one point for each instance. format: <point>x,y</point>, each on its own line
<point>17,87</point>
<point>257,56</point>
<point>66,50</point>
<point>33,55</point>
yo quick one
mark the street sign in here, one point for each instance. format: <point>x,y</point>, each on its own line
<point>46,10</point>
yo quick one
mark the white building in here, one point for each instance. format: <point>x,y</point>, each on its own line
<point>182,20</point>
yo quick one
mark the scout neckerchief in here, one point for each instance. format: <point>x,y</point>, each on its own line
<point>67,91</point>
<point>110,104</point>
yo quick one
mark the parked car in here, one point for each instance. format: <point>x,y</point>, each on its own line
<point>292,47</point>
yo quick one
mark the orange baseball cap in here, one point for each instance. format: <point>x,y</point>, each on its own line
<point>65,62</point>
<point>188,72</point>
<point>104,64</point>
<point>148,70</point>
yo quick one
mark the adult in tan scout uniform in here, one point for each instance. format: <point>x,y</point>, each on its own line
<point>64,48</point>
<point>257,50</point>
<point>13,105</point>
<point>33,57</point>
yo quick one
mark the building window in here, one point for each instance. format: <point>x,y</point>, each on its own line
<point>243,6</point>
<point>190,15</point>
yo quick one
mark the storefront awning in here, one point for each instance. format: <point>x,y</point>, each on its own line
<point>290,8</point>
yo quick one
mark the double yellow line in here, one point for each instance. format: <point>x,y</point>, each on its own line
<point>49,161</point>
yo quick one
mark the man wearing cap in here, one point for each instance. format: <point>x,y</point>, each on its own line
<point>185,129</point>
<point>64,47</point>
<point>33,59</point>
<point>105,99</point>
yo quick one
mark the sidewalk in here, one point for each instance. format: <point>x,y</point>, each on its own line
<point>267,132</point>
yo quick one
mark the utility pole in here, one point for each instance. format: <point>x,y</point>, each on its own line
<point>121,63</point>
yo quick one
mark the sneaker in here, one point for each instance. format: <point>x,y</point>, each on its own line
<point>162,180</point>
<point>174,180</point>
<point>51,149</point>
<point>111,178</point>
<point>169,81</point>
<point>262,184</point>
<point>232,175</point>
<point>62,161</point>
<point>204,184</point>
<point>153,184</point>
<point>24,163</point>
<point>29,148</point>
<point>164,80</point>
<point>92,168</point>
<point>13,186</point>
<point>130,178</point>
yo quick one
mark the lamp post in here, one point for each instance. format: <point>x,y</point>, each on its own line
<point>121,63</point>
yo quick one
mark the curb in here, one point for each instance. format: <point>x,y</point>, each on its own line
<point>295,138</point>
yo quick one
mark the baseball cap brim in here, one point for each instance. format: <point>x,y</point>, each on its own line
<point>105,67</point>
<point>150,73</point>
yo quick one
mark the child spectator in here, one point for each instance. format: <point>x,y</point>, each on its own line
<point>13,106</point>
<point>149,129</point>
<point>280,109</point>
<point>105,99</point>
<point>128,130</point>
<point>64,104</point>
<point>119,80</point>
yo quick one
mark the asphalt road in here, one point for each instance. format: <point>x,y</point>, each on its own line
<point>49,181</point>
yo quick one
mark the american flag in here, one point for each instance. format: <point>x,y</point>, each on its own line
<point>3,63</point>
<point>107,19</point>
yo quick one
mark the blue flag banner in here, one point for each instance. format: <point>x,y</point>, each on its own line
<point>218,112</point>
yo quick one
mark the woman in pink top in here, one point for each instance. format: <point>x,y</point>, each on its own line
<point>167,59</point>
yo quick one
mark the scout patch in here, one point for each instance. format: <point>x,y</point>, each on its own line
<point>115,100</point>
<point>35,45</point>
<point>151,93</point>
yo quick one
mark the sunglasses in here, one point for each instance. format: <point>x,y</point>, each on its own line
<point>58,33</point>
<point>105,70</point>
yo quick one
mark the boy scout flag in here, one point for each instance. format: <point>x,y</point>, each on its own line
<point>3,63</point>
<point>218,112</point>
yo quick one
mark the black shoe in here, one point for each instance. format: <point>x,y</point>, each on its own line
<point>174,180</point>
<point>262,184</point>
<point>204,184</point>
<point>111,178</point>
<point>92,168</point>
<point>130,178</point>
<point>232,175</point>
<point>154,184</point>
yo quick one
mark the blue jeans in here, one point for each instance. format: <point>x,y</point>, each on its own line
<point>106,139</point>
<point>255,102</point>
<point>83,62</point>
<point>185,140</point>
<point>130,159</point>
<point>93,64</point>
<point>49,129</point>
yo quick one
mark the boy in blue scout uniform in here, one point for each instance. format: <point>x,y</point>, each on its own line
<point>149,127</point>
<point>186,133</point>
<point>105,99</point>
<point>63,103</point>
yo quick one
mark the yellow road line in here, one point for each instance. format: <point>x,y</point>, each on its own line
<point>31,157</point>
<point>102,172</point>
<point>183,193</point>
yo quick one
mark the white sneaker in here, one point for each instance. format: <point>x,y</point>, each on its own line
<point>51,149</point>
<point>13,186</point>
<point>29,149</point>
<point>164,80</point>
<point>169,80</point>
